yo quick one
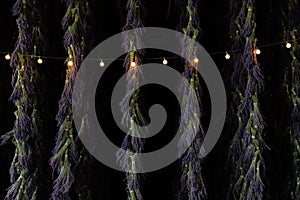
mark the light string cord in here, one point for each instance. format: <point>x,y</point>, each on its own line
<point>232,51</point>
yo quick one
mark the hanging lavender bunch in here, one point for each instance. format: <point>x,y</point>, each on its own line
<point>248,142</point>
<point>293,90</point>
<point>25,167</point>
<point>238,83</point>
<point>237,21</point>
<point>132,144</point>
<point>83,166</point>
<point>66,153</point>
<point>192,184</point>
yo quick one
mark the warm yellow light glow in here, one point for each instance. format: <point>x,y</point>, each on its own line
<point>7,57</point>
<point>258,51</point>
<point>40,61</point>
<point>133,64</point>
<point>70,63</point>
<point>196,60</point>
<point>227,56</point>
<point>165,62</point>
<point>288,45</point>
<point>102,63</point>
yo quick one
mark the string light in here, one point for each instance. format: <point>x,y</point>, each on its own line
<point>196,60</point>
<point>7,57</point>
<point>288,45</point>
<point>70,63</point>
<point>133,64</point>
<point>257,51</point>
<point>227,56</point>
<point>165,62</point>
<point>40,61</point>
<point>102,63</point>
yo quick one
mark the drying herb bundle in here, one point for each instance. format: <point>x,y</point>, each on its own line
<point>293,91</point>
<point>192,184</point>
<point>26,164</point>
<point>68,154</point>
<point>132,117</point>
<point>247,80</point>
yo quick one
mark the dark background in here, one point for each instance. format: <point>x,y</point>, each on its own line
<point>108,17</point>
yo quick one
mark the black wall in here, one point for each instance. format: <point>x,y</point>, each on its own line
<point>108,19</point>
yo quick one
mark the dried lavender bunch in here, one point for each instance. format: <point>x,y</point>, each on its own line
<point>67,152</point>
<point>132,117</point>
<point>192,184</point>
<point>292,80</point>
<point>247,145</point>
<point>25,167</point>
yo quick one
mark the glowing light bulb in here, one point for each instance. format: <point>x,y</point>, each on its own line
<point>227,56</point>
<point>165,62</point>
<point>40,61</point>
<point>70,63</point>
<point>257,51</point>
<point>133,64</point>
<point>102,63</point>
<point>196,60</point>
<point>288,45</point>
<point>7,57</point>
